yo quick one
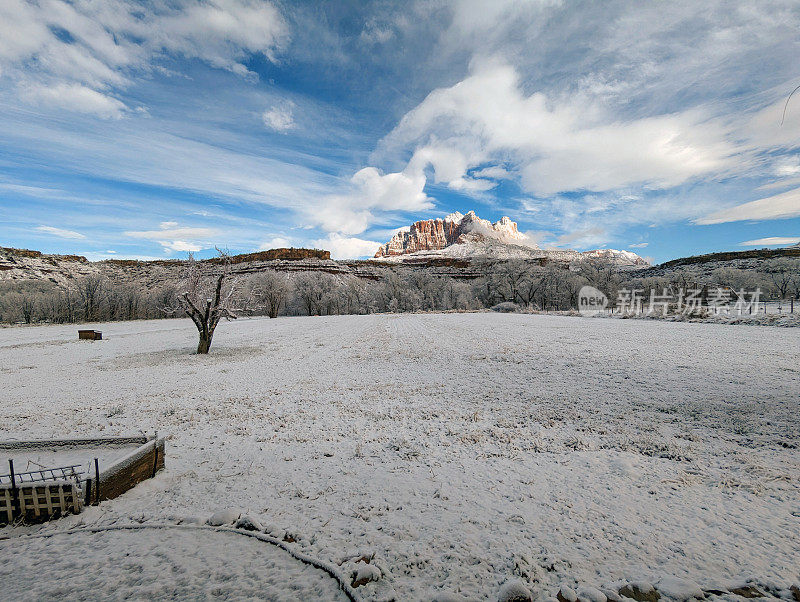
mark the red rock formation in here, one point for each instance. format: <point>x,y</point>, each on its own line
<point>434,234</point>
<point>285,254</point>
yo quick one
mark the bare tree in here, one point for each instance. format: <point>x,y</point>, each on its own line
<point>206,313</point>
<point>782,273</point>
<point>270,291</point>
<point>92,292</point>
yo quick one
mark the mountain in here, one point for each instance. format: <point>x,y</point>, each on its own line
<point>615,256</point>
<point>469,236</point>
<point>455,229</point>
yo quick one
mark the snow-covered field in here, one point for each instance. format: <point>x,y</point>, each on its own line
<point>159,564</point>
<point>462,450</point>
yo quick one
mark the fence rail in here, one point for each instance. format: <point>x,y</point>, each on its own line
<point>43,474</point>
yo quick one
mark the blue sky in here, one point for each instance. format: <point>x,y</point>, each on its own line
<point>150,129</point>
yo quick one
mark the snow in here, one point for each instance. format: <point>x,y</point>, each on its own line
<point>457,452</point>
<point>515,591</point>
<point>226,516</point>
<point>591,594</point>
<point>679,590</point>
<point>157,564</point>
<point>454,217</point>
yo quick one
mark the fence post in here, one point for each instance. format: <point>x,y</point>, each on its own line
<point>14,494</point>
<point>155,456</point>
<point>88,501</point>
<point>791,305</point>
<point>97,484</point>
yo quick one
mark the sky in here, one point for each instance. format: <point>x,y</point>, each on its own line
<point>152,129</point>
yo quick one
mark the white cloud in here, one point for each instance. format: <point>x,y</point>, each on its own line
<point>343,247</point>
<point>279,118</point>
<point>222,32</point>
<point>772,241</point>
<point>494,172</point>
<point>558,145</point>
<point>180,246</point>
<point>371,190</point>
<point>75,97</point>
<point>68,234</point>
<point>278,242</point>
<point>787,167</point>
<point>779,206</point>
<point>172,230</point>
<point>175,238</point>
<point>76,53</point>
<point>638,245</point>
<point>95,256</point>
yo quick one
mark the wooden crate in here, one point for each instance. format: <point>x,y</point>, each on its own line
<point>40,501</point>
<point>91,335</point>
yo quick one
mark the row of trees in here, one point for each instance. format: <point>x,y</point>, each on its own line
<point>272,293</point>
<point>88,299</point>
<point>528,284</point>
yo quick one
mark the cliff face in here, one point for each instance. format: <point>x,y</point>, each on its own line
<point>24,264</point>
<point>63,270</point>
<point>435,234</point>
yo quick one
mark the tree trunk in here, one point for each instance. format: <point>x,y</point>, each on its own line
<point>204,345</point>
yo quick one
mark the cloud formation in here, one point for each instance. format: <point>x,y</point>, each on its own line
<point>175,238</point>
<point>556,145</point>
<point>344,247</point>
<point>779,206</point>
<point>369,192</point>
<point>772,241</point>
<point>75,54</point>
<point>279,118</point>
<point>61,233</point>
<point>580,120</point>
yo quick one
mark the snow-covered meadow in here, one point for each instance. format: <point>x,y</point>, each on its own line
<point>461,450</point>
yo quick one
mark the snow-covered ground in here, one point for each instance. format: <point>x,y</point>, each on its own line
<point>462,450</point>
<point>157,564</point>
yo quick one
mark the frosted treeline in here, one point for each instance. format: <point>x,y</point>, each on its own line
<point>551,287</point>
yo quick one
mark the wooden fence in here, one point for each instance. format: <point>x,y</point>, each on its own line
<point>141,464</point>
<point>50,496</point>
<point>35,502</point>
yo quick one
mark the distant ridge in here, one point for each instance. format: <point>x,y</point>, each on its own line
<point>793,251</point>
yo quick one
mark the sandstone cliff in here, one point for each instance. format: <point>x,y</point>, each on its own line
<point>435,234</point>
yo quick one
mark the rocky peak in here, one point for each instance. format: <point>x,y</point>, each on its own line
<point>456,228</point>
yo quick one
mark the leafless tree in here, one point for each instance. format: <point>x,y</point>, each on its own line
<point>269,292</point>
<point>92,292</point>
<point>782,274</point>
<point>206,308</point>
